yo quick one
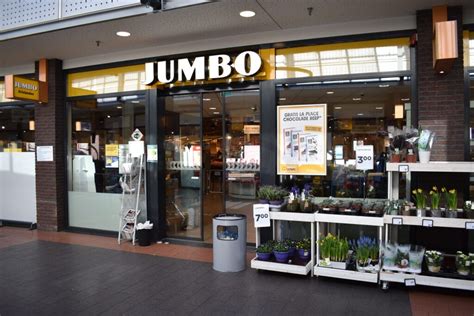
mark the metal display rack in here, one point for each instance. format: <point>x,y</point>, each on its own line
<point>321,218</point>
<point>131,183</point>
<point>394,170</point>
<point>276,216</point>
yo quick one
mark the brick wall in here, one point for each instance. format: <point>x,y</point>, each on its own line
<point>50,123</point>
<point>440,97</point>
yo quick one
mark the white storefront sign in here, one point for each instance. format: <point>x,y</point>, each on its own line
<point>220,66</point>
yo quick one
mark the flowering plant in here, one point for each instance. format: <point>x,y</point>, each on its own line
<point>435,197</point>
<point>434,257</point>
<point>451,198</point>
<point>420,198</point>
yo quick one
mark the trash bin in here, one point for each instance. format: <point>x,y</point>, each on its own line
<point>143,236</point>
<point>229,242</point>
<point>143,233</point>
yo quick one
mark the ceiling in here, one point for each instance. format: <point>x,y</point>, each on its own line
<point>203,23</point>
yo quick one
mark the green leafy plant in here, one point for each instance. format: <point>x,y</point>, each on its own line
<point>463,263</point>
<point>435,198</point>
<point>420,198</point>
<point>451,198</point>
<point>264,192</point>
<point>281,247</point>
<point>272,193</point>
<point>334,248</point>
<point>265,248</point>
<point>305,244</point>
<point>290,243</point>
<point>433,257</point>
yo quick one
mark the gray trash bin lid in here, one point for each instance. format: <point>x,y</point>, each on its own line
<point>229,217</point>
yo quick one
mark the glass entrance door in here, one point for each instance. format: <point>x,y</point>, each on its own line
<point>212,160</point>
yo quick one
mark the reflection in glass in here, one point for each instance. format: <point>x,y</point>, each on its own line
<point>242,153</point>
<point>100,129</point>
<point>182,146</point>
<point>17,128</point>
<point>358,114</point>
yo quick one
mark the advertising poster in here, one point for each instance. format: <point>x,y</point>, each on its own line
<point>301,139</point>
<point>111,156</point>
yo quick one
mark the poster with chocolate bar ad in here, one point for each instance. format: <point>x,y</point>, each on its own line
<point>301,139</point>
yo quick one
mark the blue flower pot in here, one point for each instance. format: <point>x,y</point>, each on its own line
<point>292,252</point>
<point>264,256</point>
<point>303,254</point>
<point>281,257</point>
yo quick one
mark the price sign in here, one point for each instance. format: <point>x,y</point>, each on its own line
<point>410,282</point>
<point>427,223</point>
<point>403,168</point>
<point>261,215</point>
<point>365,157</point>
<point>397,221</point>
<point>470,225</point>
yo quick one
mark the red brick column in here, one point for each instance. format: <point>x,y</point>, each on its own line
<point>440,96</point>
<point>50,129</point>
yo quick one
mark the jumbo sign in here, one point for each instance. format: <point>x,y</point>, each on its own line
<point>221,66</point>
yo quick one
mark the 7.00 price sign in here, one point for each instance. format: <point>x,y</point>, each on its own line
<point>261,215</point>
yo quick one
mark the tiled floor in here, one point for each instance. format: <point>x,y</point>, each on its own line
<point>65,273</point>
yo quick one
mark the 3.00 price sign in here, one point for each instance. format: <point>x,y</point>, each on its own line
<point>364,157</point>
<point>261,215</point>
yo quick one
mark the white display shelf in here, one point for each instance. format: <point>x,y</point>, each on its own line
<point>346,274</point>
<point>451,283</point>
<point>435,166</point>
<point>424,221</point>
<point>281,267</point>
<point>349,219</point>
<point>292,216</point>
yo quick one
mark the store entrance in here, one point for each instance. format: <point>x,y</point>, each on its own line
<point>212,159</point>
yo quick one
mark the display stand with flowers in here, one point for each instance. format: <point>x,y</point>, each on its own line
<point>451,220</point>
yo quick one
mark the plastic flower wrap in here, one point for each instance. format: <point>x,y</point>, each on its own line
<point>402,139</point>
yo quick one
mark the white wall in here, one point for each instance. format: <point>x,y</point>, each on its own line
<point>17,187</point>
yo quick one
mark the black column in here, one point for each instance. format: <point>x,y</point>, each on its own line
<point>268,154</point>
<point>153,193</point>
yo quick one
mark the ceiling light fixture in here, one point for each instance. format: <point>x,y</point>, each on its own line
<point>119,107</point>
<point>3,127</point>
<point>384,85</point>
<point>123,33</point>
<point>441,72</point>
<point>216,113</point>
<point>379,108</point>
<point>282,99</point>
<point>360,114</point>
<point>337,107</point>
<point>212,108</point>
<point>329,92</point>
<point>405,99</point>
<point>356,99</point>
<point>247,14</point>
<point>206,99</point>
<point>108,116</point>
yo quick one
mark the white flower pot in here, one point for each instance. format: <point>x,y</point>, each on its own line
<point>424,156</point>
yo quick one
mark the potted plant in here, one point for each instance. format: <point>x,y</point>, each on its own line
<point>425,141</point>
<point>435,198</point>
<point>263,194</point>
<point>420,202</point>
<point>277,195</point>
<point>433,260</point>
<point>395,156</point>
<point>468,209</point>
<point>452,202</point>
<point>334,251</point>
<point>305,201</point>
<point>281,252</point>
<point>292,246</point>
<point>304,248</point>
<point>264,251</point>
<point>463,263</point>
<point>366,253</point>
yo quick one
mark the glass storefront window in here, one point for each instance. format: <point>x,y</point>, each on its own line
<point>343,59</point>
<point>100,129</point>
<point>17,128</point>
<point>357,114</point>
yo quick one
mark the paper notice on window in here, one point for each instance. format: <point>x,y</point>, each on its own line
<point>44,153</point>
